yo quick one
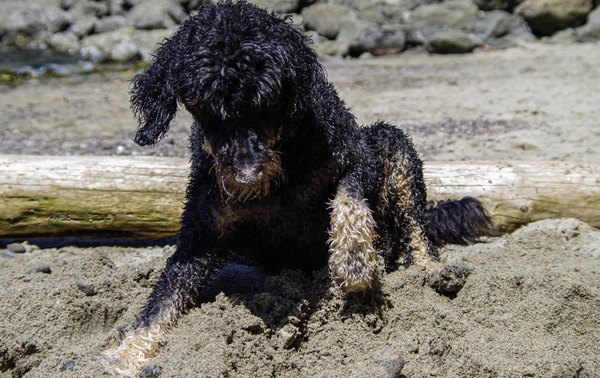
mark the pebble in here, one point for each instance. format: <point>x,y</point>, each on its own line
<point>39,268</point>
<point>16,248</point>
<point>151,371</point>
<point>287,336</point>
<point>69,365</point>
<point>86,289</point>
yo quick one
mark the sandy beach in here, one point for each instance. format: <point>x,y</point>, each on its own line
<point>531,308</point>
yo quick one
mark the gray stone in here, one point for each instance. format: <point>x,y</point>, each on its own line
<point>297,21</point>
<point>191,5</point>
<point>156,14</point>
<point>148,41</point>
<point>109,23</point>
<point>369,4</point>
<point>287,336</point>
<point>87,8</point>
<point>64,42</point>
<point>69,365</point>
<point>40,268</point>
<point>452,42</point>
<point>495,25</point>
<point>506,5</point>
<point>327,19</point>
<point>562,37</point>
<point>326,47</point>
<point>380,11</point>
<point>87,289</point>
<point>591,30</point>
<point>83,25</point>
<point>278,6</point>
<point>117,45</point>
<point>117,7</point>
<point>456,14</point>
<point>23,23</point>
<point>362,36</point>
<point>16,248</point>
<point>548,16</point>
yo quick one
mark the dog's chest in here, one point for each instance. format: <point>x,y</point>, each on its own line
<point>284,227</point>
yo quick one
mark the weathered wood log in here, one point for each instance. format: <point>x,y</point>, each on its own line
<point>142,197</point>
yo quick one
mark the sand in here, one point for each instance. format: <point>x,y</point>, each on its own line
<point>530,308</point>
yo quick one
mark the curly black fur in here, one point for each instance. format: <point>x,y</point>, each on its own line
<point>275,153</point>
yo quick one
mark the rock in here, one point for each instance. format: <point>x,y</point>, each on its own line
<point>359,5</point>
<point>278,6</point>
<point>412,4</point>
<point>87,8</point>
<point>87,289</point>
<point>562,37</point>
<point>326,47</point>
<point>287,336</point>
<point>122,45</point>
<point>67,42</point>
<point>23,247</point>
<point>191,5</point>
<point>501,29</point>
<point>455,14</point>
<point>118,7</point>
<point>147,41</point>
<point>16,248</point>
<point>297,21</point>
<point>117,45</point>
<point>151,371</point>
<point>591,30</point>
<point>506,5</point>
<point>68,365</point>
<point>493,24</point>
<point>362,36</point>
<point>83,26</point>
<point>156,14</point>
<point>548,16</point>
<point>452,42</point>
<point>39,268</point>
<point>110,23</point>
<point>23,23</point>
<point>327,19</point>
<point>379,11</point>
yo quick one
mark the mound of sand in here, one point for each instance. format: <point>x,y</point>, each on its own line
<point>531,308</point>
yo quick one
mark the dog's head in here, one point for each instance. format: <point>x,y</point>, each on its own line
<point>241,73</point>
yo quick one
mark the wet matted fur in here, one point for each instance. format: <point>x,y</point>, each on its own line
<point>281,174</point>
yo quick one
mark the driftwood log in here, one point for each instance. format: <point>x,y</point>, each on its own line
<point>142,197</point>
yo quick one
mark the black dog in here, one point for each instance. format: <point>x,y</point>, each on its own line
<point>282,176</point>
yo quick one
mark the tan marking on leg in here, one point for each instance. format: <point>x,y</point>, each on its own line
<point>353,261</point>
<point>418,243</point>
<point>137,346</point>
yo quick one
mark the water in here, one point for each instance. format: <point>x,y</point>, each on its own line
<point>36,63</point>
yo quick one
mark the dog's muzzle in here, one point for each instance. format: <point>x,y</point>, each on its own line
<point>249,176</point>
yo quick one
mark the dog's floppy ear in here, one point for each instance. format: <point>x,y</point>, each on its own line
<point>153,97</point>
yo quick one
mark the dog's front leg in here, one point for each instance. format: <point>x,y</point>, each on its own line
<point>185,276</point>
<point>353,261</point>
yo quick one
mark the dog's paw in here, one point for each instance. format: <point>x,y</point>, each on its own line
<point>449,280</point>
<point>127,359</point>
<point>354,271</point>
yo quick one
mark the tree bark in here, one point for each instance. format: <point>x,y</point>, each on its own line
<point>142,197</point>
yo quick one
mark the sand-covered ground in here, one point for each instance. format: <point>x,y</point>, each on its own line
<point>531,307</point>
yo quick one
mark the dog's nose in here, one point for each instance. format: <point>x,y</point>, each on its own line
<point>248,175</point>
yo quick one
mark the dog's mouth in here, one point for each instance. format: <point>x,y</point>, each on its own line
<point>248,176</point>
<point>250,182</point>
